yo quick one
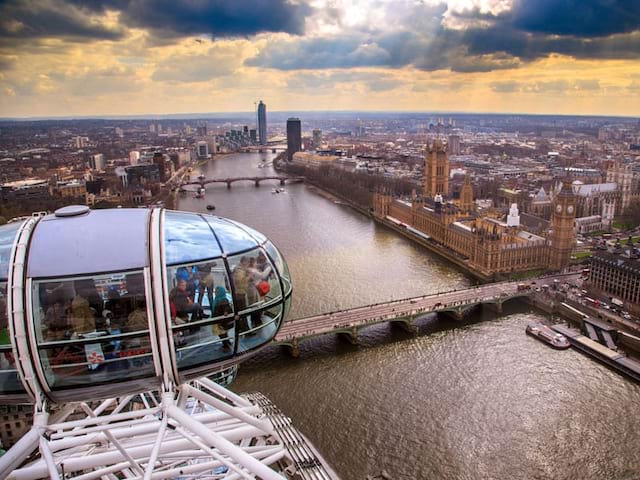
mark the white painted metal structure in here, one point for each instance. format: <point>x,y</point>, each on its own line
<point>99,307</point>
<point>199,430</point>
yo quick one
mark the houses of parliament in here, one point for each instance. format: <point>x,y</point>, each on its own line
<point>487,242</point>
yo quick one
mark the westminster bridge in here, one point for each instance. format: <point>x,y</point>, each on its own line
<point>403,313</point>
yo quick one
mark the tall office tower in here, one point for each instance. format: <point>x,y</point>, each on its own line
<point>563,235</point>
<point>454,145</point>
<point>262,123</point>
<point>294,137</point>
<point>81,142</point>
<point>160,160</point>
<point>202,149</point>
<point>317,137</point>
<point>252,135</point>
<point>436,170</point>
<point>134,157</point>
<point>97,162</point>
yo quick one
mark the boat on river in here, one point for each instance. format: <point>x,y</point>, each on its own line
<point>546,335</point>
<point>211,207</point>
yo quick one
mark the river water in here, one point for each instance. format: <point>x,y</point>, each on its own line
<point>461,400</point>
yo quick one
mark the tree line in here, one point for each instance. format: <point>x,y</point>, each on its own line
<point>356,186</point>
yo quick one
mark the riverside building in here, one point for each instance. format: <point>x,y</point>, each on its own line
<point>617,275</point>
<point>488,244</point>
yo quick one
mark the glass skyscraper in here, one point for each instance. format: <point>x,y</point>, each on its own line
<point>294,137</point>
<point>262,123</point>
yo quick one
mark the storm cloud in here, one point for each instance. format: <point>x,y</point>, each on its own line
<point>596,29</point>
<point>580,18</point>
<point>76,19</point>
<point>51,19</point>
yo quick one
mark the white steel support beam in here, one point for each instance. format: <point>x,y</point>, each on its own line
<point>226,447</point>
<point>218,431</point>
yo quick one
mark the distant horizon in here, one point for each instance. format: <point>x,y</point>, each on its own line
<point>213,114</point>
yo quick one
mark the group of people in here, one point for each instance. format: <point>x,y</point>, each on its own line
<point>76,309</point>
<point>185,299</point>
<point>195,283</point>
<point>250,283</point>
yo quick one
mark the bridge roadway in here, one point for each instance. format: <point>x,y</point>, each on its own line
<point>256,180</point>
<point>404,312</point>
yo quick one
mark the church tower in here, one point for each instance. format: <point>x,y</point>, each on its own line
<point>466,195</point>
<point>563,235</point>
<point>436,170</point>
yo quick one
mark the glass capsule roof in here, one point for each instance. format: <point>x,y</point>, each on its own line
<point>110,240</point>
<point>191,237</point>
<point>97,241</point>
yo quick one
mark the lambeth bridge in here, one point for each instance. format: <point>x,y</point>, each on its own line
<point>403,313</point>
<point>256,180</point>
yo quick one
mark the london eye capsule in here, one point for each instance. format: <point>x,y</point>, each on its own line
<point>98,303</point>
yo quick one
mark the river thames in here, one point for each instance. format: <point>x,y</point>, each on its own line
<point>460,400</point>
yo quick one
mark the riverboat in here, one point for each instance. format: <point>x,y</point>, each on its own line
<point>546,335</point>
<point>211,207</point>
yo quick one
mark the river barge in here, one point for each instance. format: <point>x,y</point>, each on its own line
<point>546,335</point>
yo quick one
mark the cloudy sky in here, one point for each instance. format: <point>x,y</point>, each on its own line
<point>108,57</point>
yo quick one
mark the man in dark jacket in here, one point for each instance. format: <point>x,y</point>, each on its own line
<point>183,303</point>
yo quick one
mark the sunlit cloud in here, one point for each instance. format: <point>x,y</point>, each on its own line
<point>61,57</point>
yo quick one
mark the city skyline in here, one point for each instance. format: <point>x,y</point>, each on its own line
<point>112,58</point>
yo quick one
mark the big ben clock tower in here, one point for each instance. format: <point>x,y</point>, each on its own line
<point>563,235</point>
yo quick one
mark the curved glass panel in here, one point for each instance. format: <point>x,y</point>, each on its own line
<point>9,379</point>
<point>7,236</point>
<point>281,265</point>
<point>188,238</point>
<point>254,233</point>
<point>263,330</point>
<point>232,238</point>
<point>92,330</point>
<point>254,279</point>
<point>196,290</point>
<point>201,312</point>
<point>287,308</point>
<point>256,289</point>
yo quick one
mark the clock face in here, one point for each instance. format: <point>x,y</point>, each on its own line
<point>559,208</point>
<point>570,209</point>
